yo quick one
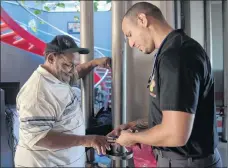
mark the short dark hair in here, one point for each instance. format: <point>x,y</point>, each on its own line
<point>146,8</point>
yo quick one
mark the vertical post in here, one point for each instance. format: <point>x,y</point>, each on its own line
<point>127,79</point>
<point>207,29</point>
<point>1,69</point>
<point>177,14</point>
<point>117,69</point>
<point>185,16</point>
<point>225,58</point>
<point>127,76</point>
<point>87,41</point>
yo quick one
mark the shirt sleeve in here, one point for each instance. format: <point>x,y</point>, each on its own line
<point>179,80</point>
<point>37,118</point>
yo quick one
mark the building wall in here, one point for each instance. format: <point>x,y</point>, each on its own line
<point>17,65</point>
<point>102,24</point>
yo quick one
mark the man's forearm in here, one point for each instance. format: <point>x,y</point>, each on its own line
<point>55,140</point>
<point>85,68</point>
<point>157,136</point>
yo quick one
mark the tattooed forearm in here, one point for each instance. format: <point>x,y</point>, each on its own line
<point>142,123</point>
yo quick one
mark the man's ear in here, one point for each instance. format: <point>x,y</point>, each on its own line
<point>142,20</point>
<point>50,58</point>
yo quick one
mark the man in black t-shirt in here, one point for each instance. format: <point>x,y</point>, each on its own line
<point>182,121</point>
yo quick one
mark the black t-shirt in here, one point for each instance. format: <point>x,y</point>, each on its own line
<point>183,81</point>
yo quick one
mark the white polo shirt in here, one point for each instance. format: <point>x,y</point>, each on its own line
<point>44,103</point>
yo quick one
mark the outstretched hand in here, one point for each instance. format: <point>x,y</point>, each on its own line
<point>100,143</point>
<point>116,131</point>
<point>126,138</point>
<point>104,62</point>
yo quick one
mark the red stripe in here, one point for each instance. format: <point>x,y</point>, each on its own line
<point>219,123</point>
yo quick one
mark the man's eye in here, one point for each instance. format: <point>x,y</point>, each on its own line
<point>66,65</point>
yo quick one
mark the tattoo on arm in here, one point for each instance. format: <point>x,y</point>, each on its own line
<point>142,123</point>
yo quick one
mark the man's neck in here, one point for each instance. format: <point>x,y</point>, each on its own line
<point>160,33</point>
<point>45,66</point>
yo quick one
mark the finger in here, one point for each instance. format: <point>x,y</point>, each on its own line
<point>109,65</point>
<point>111,137</point>
<point>98,150</point>
<point>107,146</point>
<point>131,130</point>
<point>111,141</point>
<point>103,150</point>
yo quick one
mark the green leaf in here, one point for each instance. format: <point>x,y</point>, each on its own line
<point>37,12</point>
<point>76,18</point>
<point>95,6</point>
<point>47,8</point>
<point>34,29</point>
<point>61,5</point>
<point>22,2</point>
<point>41,22</point>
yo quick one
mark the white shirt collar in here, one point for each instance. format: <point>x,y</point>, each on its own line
<point>48,75</point>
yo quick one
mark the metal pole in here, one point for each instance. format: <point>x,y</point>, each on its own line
<point>1,64</point>
<point>208,34</point>
<point>225,57</point>
<point>177,14</point>
<point>87,41</point>
<point>127,78</point>
<point>117,70</point>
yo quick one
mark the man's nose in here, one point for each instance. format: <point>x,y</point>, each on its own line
<point>131,43</point>
<point>71,70</point>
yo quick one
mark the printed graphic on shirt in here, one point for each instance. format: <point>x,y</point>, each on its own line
<point>152,85</point>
